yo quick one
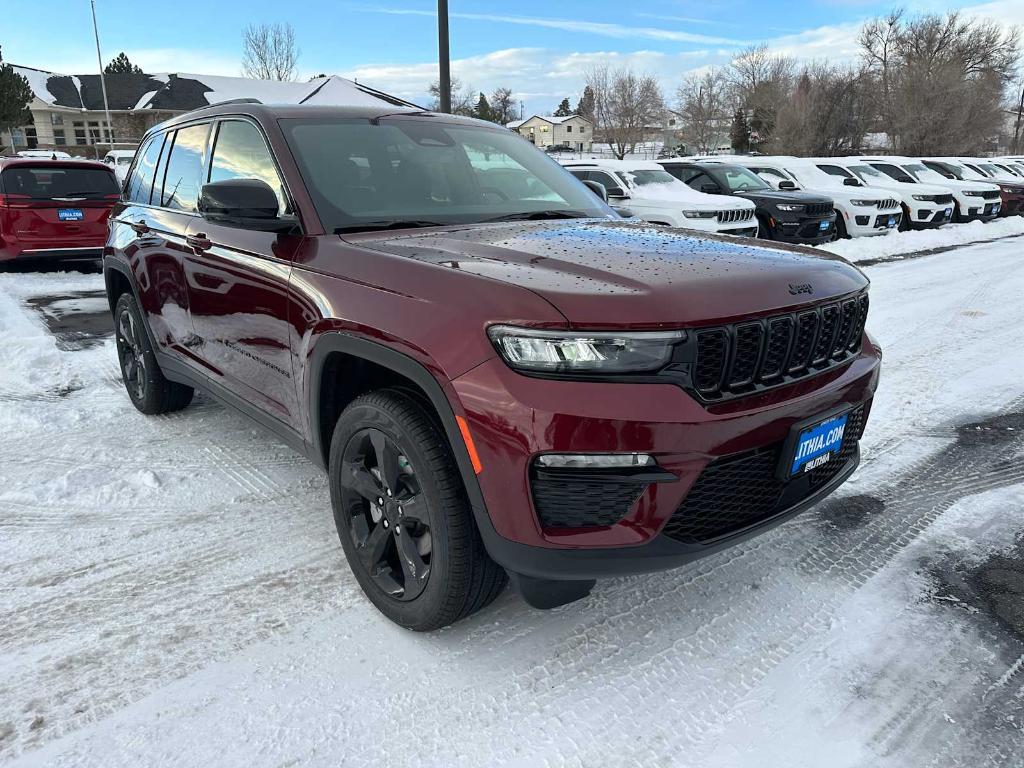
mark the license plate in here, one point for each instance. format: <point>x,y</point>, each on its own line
<point>70,214</point>
<point>891,223</point>
<point>948,212</point>
<point>817,445</point>
<point>824,225</point>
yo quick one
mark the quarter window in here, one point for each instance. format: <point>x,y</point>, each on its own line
<point>185,168</point>
<point>241,153</point>
<point>140,184</point>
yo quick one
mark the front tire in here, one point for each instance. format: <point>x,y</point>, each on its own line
<point>150,392</point>
<point>403,517</point>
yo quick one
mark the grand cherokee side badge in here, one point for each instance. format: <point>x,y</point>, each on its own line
<point>796,290</point>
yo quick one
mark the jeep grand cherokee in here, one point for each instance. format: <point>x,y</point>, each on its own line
<point>499,374</point>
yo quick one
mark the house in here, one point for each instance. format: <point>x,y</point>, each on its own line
<point>68,111</point>
<point>573,131</point>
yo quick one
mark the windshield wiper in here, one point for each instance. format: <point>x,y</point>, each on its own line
<point>555,213</point>
<point>370,226</point>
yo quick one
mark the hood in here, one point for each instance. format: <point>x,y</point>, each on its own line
<point>861,193</point>
<point>614,274</point>
<point>911,188</point>
<point>786,196</point>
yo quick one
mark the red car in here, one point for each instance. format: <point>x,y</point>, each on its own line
<point>499,374</point>
<point>54,208</point>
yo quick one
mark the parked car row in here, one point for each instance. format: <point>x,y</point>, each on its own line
<point>809,200</point>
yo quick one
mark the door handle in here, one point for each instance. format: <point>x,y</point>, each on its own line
<point>140,227</point>
<point>199,242</point>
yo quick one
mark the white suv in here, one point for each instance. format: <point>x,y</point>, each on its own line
<point>925,206</point>
<point>862,210</point>
<point>972,200</point>
<point>648,191</point>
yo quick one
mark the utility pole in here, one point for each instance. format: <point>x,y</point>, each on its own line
<point>103,79</point>
<point>445,79</point>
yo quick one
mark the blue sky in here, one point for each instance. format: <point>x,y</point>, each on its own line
<point>537,48</point>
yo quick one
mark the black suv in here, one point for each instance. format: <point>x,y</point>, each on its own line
<point>785,215</point>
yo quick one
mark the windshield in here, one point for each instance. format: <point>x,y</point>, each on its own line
<point>1008,169</point>
<point>989,168</point>
<point>736,179</point>
<point>867,173</point>
<point>925,174</point>
<point>644,178</point>
<point>54,181</point>
<point>421,172</point>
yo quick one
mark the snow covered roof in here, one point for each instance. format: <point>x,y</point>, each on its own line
<point>180,92</point>
<point>547,118</point>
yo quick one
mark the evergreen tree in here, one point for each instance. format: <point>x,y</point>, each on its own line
<point>122,66</point>
<point>585,106</point>
<point>15,96</point>
<point>564,110</point>
<point>739,134</point>
<point>482,110</point>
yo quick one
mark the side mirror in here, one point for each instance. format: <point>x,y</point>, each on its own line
<point>618,192</point>
<point>852,182</point>
<point>598,189</point>
<point>710,189</point>
<point>785,185</point>
<point>244,203</point>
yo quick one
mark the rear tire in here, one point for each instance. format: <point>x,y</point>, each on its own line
<point>403,516</point>
<point>150,392</point>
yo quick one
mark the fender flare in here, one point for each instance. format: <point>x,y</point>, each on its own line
<point>386,357</point>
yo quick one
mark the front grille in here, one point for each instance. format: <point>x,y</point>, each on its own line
<point>818,209</point>
<point>574,499</point>
<point>943,199</point>
<point>739,491</point>
<point>741,358</point>
<point>992,195</point>
<point>885,205</point>
<point>729,217</point>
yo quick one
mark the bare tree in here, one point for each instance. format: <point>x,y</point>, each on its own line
<point>625,102</point>
<point>928,64</point>
<point>269,52</point>
<point>703,106</point>
<point>760,81</point>
<point>1018,119</point>
<point>463,100</point>
<point>503,106</point>
<point>828,112</point>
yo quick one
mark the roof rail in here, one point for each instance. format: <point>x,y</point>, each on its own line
<point>229,101</point>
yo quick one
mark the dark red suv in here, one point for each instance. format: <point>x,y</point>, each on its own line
<point>499,374</point>
<point>54,208</point>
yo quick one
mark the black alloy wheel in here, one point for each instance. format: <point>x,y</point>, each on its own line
<point>387,517</point>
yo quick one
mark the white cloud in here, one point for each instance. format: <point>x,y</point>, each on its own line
<point>621,31</point>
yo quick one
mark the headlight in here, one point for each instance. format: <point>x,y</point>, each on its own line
<point>970,193</point>
<point>791,207</point>
<point>700,214</point>
<point>865,203</point>
<point>924,198</point>
<point>596,352</point>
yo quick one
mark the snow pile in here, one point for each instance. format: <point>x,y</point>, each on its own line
<point>897,244</point>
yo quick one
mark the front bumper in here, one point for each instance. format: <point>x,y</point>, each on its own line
<point>931,215</point>
<point>805,230</point>
<point>979,210</point>
<point>513,418</point>
<point>873,222</point>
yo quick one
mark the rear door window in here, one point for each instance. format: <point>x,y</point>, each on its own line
<point>184,173</point>
<point>55,182</point>
<point>835,170</point>
<point>140,185</point>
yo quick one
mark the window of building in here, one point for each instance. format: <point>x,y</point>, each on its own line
<point>56,118</point>
<point>582,128</point>
<point>568,129</point>
<point>58,137</point>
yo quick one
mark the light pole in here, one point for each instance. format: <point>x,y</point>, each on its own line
<point>103,80</point>
<point>445,79</point>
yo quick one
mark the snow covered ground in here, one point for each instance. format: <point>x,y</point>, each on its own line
<point>172,592</point>
<point>895,245</point>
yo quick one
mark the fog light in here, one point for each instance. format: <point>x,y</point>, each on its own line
<point>595,460</point>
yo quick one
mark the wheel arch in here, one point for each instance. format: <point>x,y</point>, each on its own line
<point>368,366</point>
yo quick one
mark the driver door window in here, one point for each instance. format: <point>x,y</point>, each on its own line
<point>241,153</point>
